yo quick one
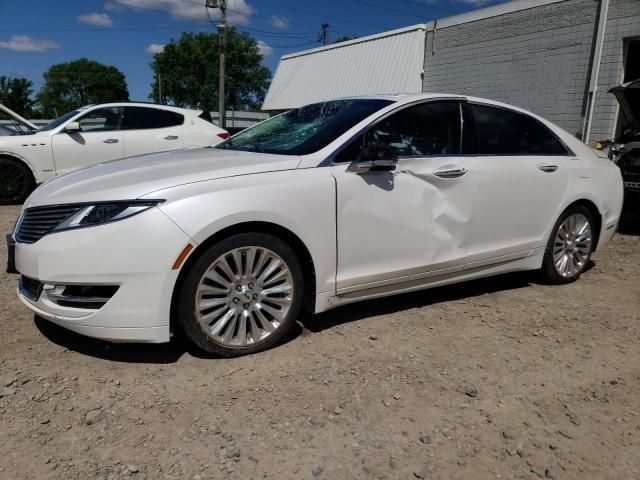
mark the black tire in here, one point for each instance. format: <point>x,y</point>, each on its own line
<point>548,272</point>
<point>186,314</point>
<point>16,182</point>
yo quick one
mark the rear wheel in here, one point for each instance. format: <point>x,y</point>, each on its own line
<point>16,182</point>
<point>242,295</point>
<point>570,246</point>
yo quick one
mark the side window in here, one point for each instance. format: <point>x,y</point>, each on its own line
<point>101,120</point>
<point>431,128</point>
<point>143,118</point>
<point>503,132</point>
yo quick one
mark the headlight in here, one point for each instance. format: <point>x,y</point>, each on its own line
<point>106,212</point>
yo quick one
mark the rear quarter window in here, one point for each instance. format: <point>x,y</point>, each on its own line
<point>504,132</point>
<point>141,118</point>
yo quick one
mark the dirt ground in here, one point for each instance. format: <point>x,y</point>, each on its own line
<point>499,378</point>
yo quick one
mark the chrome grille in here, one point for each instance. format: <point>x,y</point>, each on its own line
<point>38,221</point>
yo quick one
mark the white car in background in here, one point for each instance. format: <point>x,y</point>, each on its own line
<point>321,206</point>
<point>4,131</point>
<point>95,134</point>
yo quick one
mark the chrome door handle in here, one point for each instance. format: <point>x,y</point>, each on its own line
<point>171,137</point>
<point>110,140</point>
<point>453,173</point>
<point>548,168</point>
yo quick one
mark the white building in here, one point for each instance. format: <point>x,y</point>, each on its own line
<point>557,58</point>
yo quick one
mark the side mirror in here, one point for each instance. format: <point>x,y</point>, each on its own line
<point>375,157</point>
<point>72,127</point>
<point>385,165</point>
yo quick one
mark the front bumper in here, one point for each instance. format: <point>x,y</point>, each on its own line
<point>135,254</point>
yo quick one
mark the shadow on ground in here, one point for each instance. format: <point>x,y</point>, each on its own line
<point>171,352</point>
<point>163,353</point>
<point>422,298</point>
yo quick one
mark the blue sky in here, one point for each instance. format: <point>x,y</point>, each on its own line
<point>125,33</point>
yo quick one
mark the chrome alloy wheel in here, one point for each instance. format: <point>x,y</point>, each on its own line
<point>572,245</point>
<point>244,296</point>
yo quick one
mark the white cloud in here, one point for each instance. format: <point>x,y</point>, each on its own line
<point>154,48</point>
<point>25,44</point>
<point>265,49</point>
<point>96,19</point>
<point>280,21</point>
<point>238,12</point>
<point>115,7</point>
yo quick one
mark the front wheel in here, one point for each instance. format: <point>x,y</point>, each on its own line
<point>570,246</point>
<point>242,295</point>
<point>16,182</point>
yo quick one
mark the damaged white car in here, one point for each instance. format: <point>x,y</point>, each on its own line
<point>30,156</point>
<point>321,206</point>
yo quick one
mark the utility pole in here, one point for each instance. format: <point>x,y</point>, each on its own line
<point>324,35</point>
<point>159,88</point>
<point>222,33</point>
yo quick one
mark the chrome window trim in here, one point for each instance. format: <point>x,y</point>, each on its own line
<point>568,151</point>
<point>330,160</point>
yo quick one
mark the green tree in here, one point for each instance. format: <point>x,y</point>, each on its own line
<point>187,71</point>
<point>68,86</point>
<point>15,93</point>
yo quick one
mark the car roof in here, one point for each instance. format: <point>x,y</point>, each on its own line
<point>407,98</point>
<point>141,104</point>
<point>403,98</point>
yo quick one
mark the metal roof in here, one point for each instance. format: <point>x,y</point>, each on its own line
<point>387,62</point>
<point>488,12</point>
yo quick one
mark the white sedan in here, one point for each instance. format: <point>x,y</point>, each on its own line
<point>321,206</point>
<point>91,135</point>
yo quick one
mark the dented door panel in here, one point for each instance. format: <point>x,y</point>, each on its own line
<point>402,225</point>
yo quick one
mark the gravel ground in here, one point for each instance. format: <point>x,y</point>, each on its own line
<point>499,378</point>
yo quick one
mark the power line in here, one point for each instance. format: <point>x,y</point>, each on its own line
<point>194,19</point>
<point>400,12</point>
<point>306,44</point>
<point>432,7</point>
<point>168,27</point>
<point>239,27</point>
<point>322,14</point>
<point>99,29</point>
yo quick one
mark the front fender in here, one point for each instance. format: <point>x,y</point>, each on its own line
<point>36,154</point>
<point>302,201</point>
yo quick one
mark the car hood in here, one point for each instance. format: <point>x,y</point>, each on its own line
<point>17,118</point>
<point>133,177</point>
<point>628,96</point>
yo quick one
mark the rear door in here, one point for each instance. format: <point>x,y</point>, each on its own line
<point>100,139</point>
<point>150,130</point>
<point>521,170</point>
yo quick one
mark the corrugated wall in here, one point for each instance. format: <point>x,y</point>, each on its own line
<point>388,63</point>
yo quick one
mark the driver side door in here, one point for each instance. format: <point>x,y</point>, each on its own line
<point>410,224</point>
<point>100,139</point>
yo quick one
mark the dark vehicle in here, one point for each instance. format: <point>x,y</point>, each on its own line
<point>625,149</point>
